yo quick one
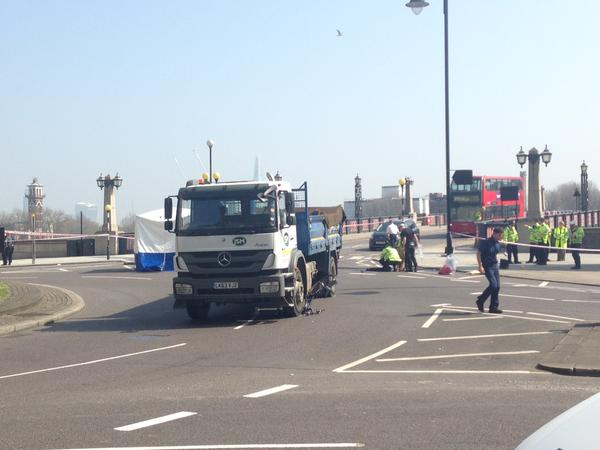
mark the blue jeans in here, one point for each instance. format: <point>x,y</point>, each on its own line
<point>493,276</point>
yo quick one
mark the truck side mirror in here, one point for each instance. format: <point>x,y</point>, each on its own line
<point>169,225</point>
<point>168,208</point>
<point>291,219</point>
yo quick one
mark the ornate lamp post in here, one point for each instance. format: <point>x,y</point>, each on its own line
<point>402,183</point>
<point>417,6</point>
<point>584,187</point>
<point>109,184</point>
<point>534,207</point>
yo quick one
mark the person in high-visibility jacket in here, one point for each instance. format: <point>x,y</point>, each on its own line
<point>576,240</point>
<point>511,237</point>
<point>561,239</point>
<point>533,240</point>
<point>389,259</point>
<point>544,239</point>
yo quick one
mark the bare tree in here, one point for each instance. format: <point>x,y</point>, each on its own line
<point>127,224</point>
<point>561,198</point>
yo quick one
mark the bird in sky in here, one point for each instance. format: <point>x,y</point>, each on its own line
<point>339,33</point>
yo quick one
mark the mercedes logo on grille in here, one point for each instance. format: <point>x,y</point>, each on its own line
<point>224,259</point>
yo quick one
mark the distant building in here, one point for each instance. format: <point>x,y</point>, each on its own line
<point>437,203</point>
<point>89,210</point>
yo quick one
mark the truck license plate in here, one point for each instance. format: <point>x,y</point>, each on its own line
<point>225,285</point>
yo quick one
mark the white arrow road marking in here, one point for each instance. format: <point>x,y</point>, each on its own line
<point>158,420</point>
<point>264,393</point>
<point>461,355</point>
<point>367,358</point>
<point>433,318</point>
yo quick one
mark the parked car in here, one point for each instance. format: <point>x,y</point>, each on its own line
<point>379,237</point>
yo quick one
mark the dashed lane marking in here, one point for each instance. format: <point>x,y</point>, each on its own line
<point>361,273</point>
<point>412,276</point>
<point>156,421</point>
<point>526,297</point>
<point>275,390</point>
<point>543,284</point>
<point>460,355</point>
<point>581,301</point>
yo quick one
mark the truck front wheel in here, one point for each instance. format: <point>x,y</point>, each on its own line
<point>197,311</point>
<point>298,295</point>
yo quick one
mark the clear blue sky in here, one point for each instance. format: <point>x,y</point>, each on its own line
<point>130,86</point>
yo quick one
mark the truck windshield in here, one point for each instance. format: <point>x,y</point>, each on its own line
<point>225,213</point>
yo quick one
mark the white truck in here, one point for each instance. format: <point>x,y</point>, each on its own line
<point>252,242</point>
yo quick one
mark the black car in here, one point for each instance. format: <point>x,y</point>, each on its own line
<point>379,237</point>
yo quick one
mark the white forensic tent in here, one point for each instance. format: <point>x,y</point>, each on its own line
<point>154,247</point>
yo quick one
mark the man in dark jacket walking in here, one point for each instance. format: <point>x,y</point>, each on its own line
<point>487,258</point>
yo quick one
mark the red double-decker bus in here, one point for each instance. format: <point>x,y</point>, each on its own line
<point>481,200</point>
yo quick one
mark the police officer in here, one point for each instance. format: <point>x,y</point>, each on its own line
<point>389,258</point>
<point>533,240</point>
<point>487,258</point>
<point>544,240</point>
<point>9,247</point>
<point>511,237</point>
<point>576,238</point>
<point>561,239</point>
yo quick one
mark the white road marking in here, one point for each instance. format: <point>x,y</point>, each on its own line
<point>360,273</point>
<point>275,390</point>
<point>17,278</point>
<point>461,355</point>
<point>464,281</point>
<point>451,307</point>
<point>116,277</point>
<point>356,246</point>
<point>441,304</point>
<point>471,276</point>
<point>247,322</point>
<point>491,316</point>
<point>412,276</point>
<point>63,270</point>
<point>433,318</point>
<point>483,336</point>
<point>534,318</point>
<point>367,358</point>
<point>581,301</point>
<point>556,317</point>
<point>234,446</point>
<point>356,257</point>
<point>157,421</point>
<point>521,296</point>
<point>543,284</point>
<point>496,372</point>
<point>92,362</point>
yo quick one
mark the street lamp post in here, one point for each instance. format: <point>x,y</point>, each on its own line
<point>417,6</point>
<point>210,143</point>
<point>402,183</point>
<point>107,209</point>
<point>584,187</point>
<point>33,239</point>
<point>534,207</point>
<point>577,195</point>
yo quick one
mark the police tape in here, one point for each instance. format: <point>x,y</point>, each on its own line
<point>40,235</point>
<point>521,244</point>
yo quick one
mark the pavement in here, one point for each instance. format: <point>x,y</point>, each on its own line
<point>32,305</point>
